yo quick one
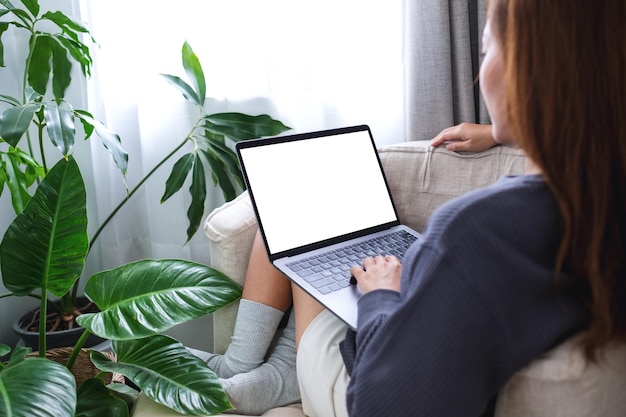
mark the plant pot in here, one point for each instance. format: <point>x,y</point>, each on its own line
<point>55,339</point>
<point>83,368</point>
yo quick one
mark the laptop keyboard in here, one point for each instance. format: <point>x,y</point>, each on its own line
<point>330,271</point>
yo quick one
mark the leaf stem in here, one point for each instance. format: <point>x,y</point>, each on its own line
<point>43,308</point>
<point>77,347</point>
<point>134,190</point>
<point>31,45</point>
<point>41,149</point>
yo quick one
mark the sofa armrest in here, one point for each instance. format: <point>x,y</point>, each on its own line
<point>231,229</point>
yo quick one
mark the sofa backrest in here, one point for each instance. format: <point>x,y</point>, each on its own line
<point>422,178</point>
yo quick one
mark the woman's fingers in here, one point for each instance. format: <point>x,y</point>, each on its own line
<point>381,272</point>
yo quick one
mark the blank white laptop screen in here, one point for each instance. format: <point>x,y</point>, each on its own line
<point>310,190</point>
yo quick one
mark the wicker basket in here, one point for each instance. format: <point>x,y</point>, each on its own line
<point>83,368</point>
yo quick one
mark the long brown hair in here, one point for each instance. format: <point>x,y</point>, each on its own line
<point>566,93</point>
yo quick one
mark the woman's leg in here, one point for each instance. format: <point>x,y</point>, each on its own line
<point>305,308</point>
<point>322,375</point>
<point>266,297</point>
<point>264,283</point>
<point>274,382</point>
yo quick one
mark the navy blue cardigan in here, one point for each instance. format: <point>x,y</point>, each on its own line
<point>479,301</point>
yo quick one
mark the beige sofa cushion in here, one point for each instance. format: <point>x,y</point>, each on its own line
<point>563,384</point>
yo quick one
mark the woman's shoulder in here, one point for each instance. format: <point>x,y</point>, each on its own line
<point>507,190</point>
<point>511,206</point>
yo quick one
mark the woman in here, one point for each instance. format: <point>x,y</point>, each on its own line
<point>506,273</point>
<point>502,274</point>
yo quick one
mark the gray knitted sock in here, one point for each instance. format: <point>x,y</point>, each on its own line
<point>273,384</point>
<point>255,328</point>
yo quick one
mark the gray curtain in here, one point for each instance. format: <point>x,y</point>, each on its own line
<point>443,40</point>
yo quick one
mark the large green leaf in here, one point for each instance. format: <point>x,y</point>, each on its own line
<point>124,392</point>
<point>26,159</point>
<point>39,63</point>
<point>149,296</point>
<point>3,28</point>
<point>180,171</point>
<point>79,51</point>
<point>239,126</point>
<point>14,121</point>
<point>67,24</point>
<point>49,57</point>
<point>20,171</point>
<point>96,400</point>
<point>224,163</point>
<point>37,387</point>
<point>32,6</point>
<point>166,372</point>
<point>192,66</point>
<point>60,126</point>
<point>110,140</point>
<point>46,244</point>
<point>85,119</point>
<point>27,20</point>
<point>192,163</point>
<point>61,70</point>
<point>220,174</point>
<point>20,353</point>
<point>3,176</point>
<point>16,181</point>
<point>197,190</point>
<point>226,155</point>
<point>10,100</point>
<point>188,92</point>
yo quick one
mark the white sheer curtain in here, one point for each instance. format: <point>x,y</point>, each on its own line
<point>312,65</point>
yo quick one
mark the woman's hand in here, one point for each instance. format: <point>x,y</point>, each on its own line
<point>465,137</point>
<point>381,272</point>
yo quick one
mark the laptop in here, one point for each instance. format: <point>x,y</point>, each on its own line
<point>323,204</point>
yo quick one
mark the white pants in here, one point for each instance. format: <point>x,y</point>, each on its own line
<point>322,375</point>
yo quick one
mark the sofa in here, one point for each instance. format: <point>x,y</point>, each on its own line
<point>421,178</point>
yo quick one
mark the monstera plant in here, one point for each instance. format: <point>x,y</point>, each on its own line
<point>43,252</point>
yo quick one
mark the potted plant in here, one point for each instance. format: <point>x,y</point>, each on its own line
<point>44,249</point>
<point>137,301</point>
